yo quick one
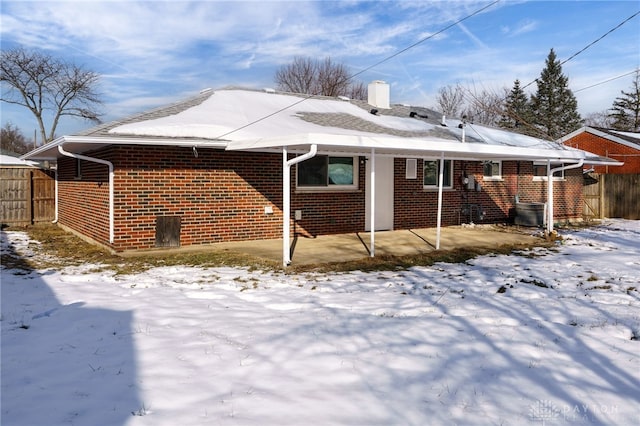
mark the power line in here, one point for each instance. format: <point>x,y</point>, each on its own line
<point>573,56</point>
<point>351,77</point>
<point>422,40</point>
<point>600,38</point>
<point>608,80</point>
<point>590,44</point>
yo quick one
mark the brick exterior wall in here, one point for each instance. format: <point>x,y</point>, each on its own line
<point>602,146</point>
<point>221,196</point>
<point>416,207</point>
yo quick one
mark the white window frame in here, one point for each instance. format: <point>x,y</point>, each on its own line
<point>556,177</point>
<point>437,161</point>
<point>493,177</point>
<point>331,187</point>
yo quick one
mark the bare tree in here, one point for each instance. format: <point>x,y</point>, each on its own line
<point>485,107</point>
<point>450,100</point>
<point>358,90</point>
<point>333,79</point>
<point>314,77</point>
<point>297,77</point>
<point>46,85</point>
<point>12,140</point>
<point>599,119</point>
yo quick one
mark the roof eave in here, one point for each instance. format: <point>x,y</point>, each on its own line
<point>405,147</point>
<point>50,151</point>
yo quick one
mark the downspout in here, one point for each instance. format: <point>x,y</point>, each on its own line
<point>55,218</point>
<point>111,197</point>
<point>440,184</point>
<point>286,198</point>
<point>372,212</point>
<point>550,173</point>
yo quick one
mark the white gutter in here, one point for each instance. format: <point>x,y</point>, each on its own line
<point>550,173</point>
<point>286,198</point>
<point>111,197</point>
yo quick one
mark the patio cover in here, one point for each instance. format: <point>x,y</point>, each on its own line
<point>309,145</point>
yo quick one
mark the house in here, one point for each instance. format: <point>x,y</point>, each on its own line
<point>237,164</point>
<point>615,144</point>
<point>610,191</point>
<point>26,191</point>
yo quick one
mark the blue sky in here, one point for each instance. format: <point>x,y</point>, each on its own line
<point>150,53</point>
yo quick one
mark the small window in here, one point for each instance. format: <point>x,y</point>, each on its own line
<point>540,171</point>
<point>492,170</point>
<point>323,171</point>
<point>432,171</point>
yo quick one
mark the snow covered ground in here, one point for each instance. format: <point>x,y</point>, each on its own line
<point>542,337</point>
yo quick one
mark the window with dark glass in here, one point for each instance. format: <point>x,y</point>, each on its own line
<point>492,169</point>
<point>540,170</point>
<point>326,171</point>
<point>432,170</point>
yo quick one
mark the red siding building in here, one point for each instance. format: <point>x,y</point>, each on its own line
<point>615,144</point>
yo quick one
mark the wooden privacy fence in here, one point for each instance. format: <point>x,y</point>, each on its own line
<point>27,196</point>
<point>612,195</point>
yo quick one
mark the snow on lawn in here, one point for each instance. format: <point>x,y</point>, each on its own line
<point>539,337</point>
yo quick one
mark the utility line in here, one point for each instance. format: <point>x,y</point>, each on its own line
<point>351,77</point>
<point>589,45</point>
<point>570,58</point>
<point>601,37</point>
<point>425,39</point>
<point>608,80</point>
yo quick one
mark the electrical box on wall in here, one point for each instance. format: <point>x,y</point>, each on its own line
<point>268,210</point>
<point>468,182</point>
<point>471,184</point>
<point>298,215</point>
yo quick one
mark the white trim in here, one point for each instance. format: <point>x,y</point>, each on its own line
<point>49,151</point>
<point>408,147</point>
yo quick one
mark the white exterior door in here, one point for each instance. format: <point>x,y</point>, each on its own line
<point>383,194</point>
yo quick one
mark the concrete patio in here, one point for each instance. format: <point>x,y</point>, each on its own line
<point>355,246</point>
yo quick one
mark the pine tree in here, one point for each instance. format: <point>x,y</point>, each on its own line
<point>554,108</point>
<point>516,110</point>
<point>626,108</point>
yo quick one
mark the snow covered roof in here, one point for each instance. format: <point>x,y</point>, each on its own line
<point>243,119</point>
<point>11,161</point>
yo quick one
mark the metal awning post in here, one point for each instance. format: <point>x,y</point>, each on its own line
<point>440,183</point>
<point>286,198</point>
<point>372,179</point>
<point>286,208</point>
